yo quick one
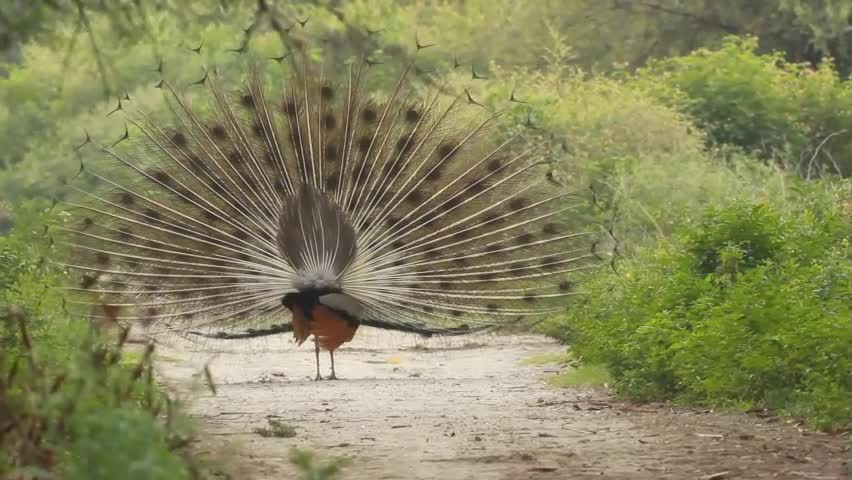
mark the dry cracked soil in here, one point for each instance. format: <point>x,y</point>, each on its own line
<point>468,408</point>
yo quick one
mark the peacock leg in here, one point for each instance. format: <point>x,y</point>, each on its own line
<point>317,349</point>
<point>332,376</point>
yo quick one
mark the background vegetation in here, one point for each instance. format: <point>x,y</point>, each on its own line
<point>712,138</point>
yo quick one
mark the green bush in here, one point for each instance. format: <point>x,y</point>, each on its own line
<point>747,307</point>
<point>741,236</point>
<point>646,198</point>
<point>72,400</point>
<point>762,103</point>
<point>606,134</point>
<point>137,448</point>
<point>599,119</point>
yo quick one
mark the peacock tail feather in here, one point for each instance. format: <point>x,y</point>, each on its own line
<point>413,205</point>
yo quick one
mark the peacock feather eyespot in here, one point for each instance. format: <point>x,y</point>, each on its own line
<point>550,229</point>
<point>369,115</point>
<point>436,173</point>
<point>290,108</point>
<point>160,176</point>
<point>364,143</point>
<point>179,139</point>
<point>125,233</point>
<point>445,150</point>
<point>235,157</point>
<point>412,115</point>
<point>406,143</point>
<point>518,203</point>
<point>87,281</point>
<point>218,132</point>
<point>247,100</point>
<point>102,258</point>
<point>329,121</point>
<point>151,214</point>
<point>327,92</point>
<point>475,187</point>
<point>332,181</point>
<point>126,199</point>
<point>524,239</point>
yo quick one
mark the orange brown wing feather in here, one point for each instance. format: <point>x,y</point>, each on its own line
<point>301,326</point>
<point>331,328</point>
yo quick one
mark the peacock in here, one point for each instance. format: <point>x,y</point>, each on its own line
<point>319,207</point>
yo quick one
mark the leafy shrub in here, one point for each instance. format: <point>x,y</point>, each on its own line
<point>27,279</point>
<point>315,468</point>
<point>747,307</point>
<point>72,400</point>
<point>647,198</point>
<point>762,103</point>
<point>741,236</point>
<point>599,119</point>
<point>142,455</point>
<point>605,134</point>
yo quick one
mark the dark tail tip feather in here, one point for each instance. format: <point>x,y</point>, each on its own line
<point>249,333</point>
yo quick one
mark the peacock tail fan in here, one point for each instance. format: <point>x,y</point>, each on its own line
<point>414,205</point>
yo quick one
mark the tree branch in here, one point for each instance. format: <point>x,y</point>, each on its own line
<point>817,150</point>
<point>81,10</point>
<point>701,19</point>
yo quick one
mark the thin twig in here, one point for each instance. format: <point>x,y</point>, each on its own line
<point>70,51</point>
<point>834,163</point>
<point>73,43</point>
<point>818,148</point>
<point>660,232</point>
<point>81,10</point>
<point>700,19</point>
<point>781,177</point>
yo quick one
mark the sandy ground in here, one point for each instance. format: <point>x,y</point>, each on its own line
<point>469,408</point>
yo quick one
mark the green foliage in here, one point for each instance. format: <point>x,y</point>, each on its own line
<point>739,236</point>
<point>608,33</point>
<point>561,358</point>
<point>747,307</point>
<point>72,400</point>
<point>140,455</point>
<point>763,103</point>
<point>314,468</point>
<point>91,416</point>
<point>575,373</point>
<point>610,135</point>
<point>29,279</point>
<point>648,197</point>
<point>599,118</point>
<point>46,107</point>
<point>584,375</point>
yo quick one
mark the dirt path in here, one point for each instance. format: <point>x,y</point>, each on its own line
<point>470,409</point>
